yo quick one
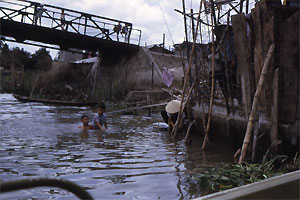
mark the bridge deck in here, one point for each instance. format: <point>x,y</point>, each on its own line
<point>66,40</point>
<point>24,20</point>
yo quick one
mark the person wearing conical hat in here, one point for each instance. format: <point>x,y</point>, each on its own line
<point>170,115</point>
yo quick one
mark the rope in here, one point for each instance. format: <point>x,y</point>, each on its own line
<point>45,182</point>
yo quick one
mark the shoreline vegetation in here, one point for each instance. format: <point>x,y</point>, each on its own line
<point>229,176</point>
<point>34,76</point>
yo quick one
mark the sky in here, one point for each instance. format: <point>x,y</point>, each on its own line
<point>153,17</point>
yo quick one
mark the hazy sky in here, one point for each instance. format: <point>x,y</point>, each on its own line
<point>146,15</point>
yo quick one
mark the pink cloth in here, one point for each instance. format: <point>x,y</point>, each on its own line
<point>167,77</point>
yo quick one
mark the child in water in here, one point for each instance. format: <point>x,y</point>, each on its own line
<point>99,119</point>
<point>85,123</point>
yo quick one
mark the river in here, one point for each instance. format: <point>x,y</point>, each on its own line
<point>132,160</point>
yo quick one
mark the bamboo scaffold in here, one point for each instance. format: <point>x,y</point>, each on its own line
<point>206,92</point>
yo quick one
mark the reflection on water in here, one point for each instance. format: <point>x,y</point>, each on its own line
<point>130,161</point>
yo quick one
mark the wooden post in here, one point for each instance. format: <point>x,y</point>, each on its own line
<point>152,74</point>
<point>241,5</point>
<point>255,103</point>
<point>247,6</point>
<point>85,25</point>
<point>243,61</point>
<point>212,92</point>
<point>200,30</point>
<point>213,13</point>
<point>274,116</point>
<point>163,45</point>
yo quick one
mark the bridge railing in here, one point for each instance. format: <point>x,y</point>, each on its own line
<point>64,19</point>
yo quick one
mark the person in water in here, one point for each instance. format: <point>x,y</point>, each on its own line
<point>85,123</point>
<point>170,115</point>
<point>99,119</point>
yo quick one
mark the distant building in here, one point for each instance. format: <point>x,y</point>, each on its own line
<point>159,49</point>
<point>68,56</point>
<point>201,49</point>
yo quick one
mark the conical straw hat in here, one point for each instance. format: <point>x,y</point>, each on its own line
<point>173,106</point>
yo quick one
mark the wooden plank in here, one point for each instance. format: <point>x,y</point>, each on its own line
<point>151,60</point>
<point>264,36</point>
<point>289,71</point>
<point>243,59</point>
<point>274,117</point>
<point>136,108</point>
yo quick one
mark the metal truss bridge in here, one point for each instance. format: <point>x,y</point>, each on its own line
<point>28,22</point>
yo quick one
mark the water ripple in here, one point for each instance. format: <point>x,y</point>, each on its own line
<point>130,161</point>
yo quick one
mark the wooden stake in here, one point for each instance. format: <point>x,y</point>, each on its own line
<point>255,103</point>
<point>212,92</point>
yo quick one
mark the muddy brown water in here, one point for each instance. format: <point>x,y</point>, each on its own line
<point>132,160</point>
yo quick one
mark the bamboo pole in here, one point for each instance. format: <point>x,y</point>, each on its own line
<point>200,99</point>
<point>212,92</point>
<point>188,96</point>
<point>247,6</point>
<point>187,42</point>
<point>241,5</point>
<point>186,139</point>
<point>175,129</point>
<point>255,103</point>
<point>200,21</point>
<point>195,53</point>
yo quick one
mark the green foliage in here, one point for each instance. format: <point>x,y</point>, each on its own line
<point>21,58</point>
<point>5,56</point>
<point>234,175</point>
<point>40,60</point>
